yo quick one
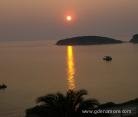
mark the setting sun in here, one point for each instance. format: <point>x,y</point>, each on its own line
<point>68,18</point>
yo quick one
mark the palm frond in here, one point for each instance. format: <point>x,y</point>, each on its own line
<point>48,99</point>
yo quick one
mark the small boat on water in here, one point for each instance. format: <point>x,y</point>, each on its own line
<point>107,58</point>
<point>3,86</point>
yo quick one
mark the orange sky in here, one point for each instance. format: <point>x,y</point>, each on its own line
<point>44,19</point>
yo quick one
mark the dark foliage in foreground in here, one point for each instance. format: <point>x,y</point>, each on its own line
<point>59,105</point>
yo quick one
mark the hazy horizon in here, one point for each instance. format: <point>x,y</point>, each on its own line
<point>42,20</point>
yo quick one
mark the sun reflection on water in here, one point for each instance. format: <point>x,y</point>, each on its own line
<point>70,68</point>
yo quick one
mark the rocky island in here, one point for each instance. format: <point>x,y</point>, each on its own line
<point>134,39</point>
<point>88,40</point>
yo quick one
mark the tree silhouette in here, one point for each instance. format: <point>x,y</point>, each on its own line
<point>59,105</point>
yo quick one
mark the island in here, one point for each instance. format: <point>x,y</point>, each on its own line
<point>134,39</point>
<point>88,40</point>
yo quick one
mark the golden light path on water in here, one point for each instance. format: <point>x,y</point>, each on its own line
<point>70,68</point>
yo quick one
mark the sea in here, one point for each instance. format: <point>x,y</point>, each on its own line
<point>31,69</point>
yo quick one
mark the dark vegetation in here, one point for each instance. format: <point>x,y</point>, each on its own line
<point>73,103</point>
<point>59,105</point>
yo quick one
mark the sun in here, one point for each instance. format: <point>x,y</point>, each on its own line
<point>69,18</point>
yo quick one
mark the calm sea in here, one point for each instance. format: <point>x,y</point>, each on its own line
<point>34,68</point>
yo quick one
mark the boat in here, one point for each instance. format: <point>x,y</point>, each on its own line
<point>3,86</point>
<point>107,58</point>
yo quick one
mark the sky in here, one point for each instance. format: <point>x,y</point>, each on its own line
<point>45,19</point>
